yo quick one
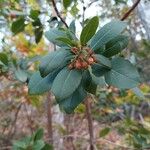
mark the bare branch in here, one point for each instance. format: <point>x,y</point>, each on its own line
<point>13,127</point>
<point>69,125</point>
<point>90,122</point>
<point>58,14</point>
<point>126,15</point>
<point>49,117</point>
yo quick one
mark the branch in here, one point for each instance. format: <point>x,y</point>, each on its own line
<point>69,125</point>
<point>90,123</point>
<point>130,10</point>
<point>49,117</point>
<point>29,118</point>
<point>13,127</point>
<point>58,14</point>
<point>83,14</point>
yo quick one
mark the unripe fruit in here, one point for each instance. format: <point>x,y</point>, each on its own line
<point>94,58</point>
<point>81,56</point>
<point>84,64</point>
<point>90,60</point>
<point>78,64</point>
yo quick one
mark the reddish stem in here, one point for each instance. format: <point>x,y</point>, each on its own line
<point>130,10</point>
<point>58,14</point>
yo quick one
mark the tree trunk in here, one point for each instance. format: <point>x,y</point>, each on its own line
<point>69,125</point>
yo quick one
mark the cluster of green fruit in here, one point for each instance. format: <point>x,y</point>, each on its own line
<point>84,57</point>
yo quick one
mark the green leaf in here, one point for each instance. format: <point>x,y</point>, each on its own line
<point>66,3</point>
<point>37,23</point>
<point>20,144</point>
<point>38,29</point>
<point>116,45</point>
<point>53,34</point>
<point>89,30</point>
<point>34,14</point>
<point>107,33</point>
<point>72,26</point>
<point>104,132</point>
<point>74,10</point>
<point>69,104</point>
<point>97,80</point>
<point>38,145</point>
<point>66,41</point>
<point>123,74</point>
<point>71,35</point>
<point>38,85</point>
<point>92,87</point>
<point>39,134</point>
<point>21,75</point>
<point>27,140</point>
<point>53,60</point>
<point>117,2</point>
<point>35,101</point>
<point>38,32</point>
<point>66,82</point>
<point>2,64</point>
<point>18,25</point>
<point>138,92</point>
<point>103,60</point>
<point>89,85</point>
<point>3,58</point>
<point>99,70</point>
<point>47,147</point>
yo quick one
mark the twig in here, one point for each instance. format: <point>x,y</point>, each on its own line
<point>68,123</point>
<point>15,120</point>
<point>58,14</point>
<point>49,117</point>
<point>90,123</point>
<point>83,14</point>
<point>130,10</point>
<point>29,118</point>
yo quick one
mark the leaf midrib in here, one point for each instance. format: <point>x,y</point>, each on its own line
<point>38,83</point>
<point>87,33</point>
<point>49,62</point>
<point>119,43</point>
<point>101,38</point>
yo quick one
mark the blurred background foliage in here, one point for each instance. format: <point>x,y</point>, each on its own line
<point>121,118</point>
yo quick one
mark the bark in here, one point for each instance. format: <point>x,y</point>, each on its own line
<point>69,125</point>
<point>90,123</point>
